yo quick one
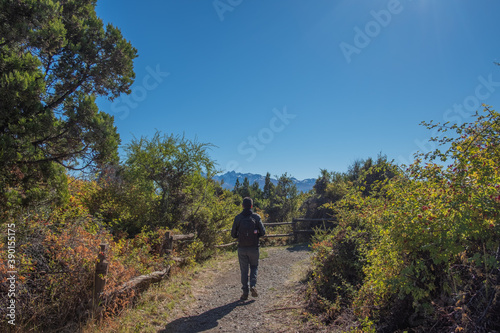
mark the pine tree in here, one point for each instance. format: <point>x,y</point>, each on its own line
<point>236,188</point>
<point>245,188</point>
<point>56,58</point>
<point>268,187</point>
<point>284,202</point>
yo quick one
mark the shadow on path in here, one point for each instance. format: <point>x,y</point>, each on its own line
<point>202,322</point>
<point>298,247</point>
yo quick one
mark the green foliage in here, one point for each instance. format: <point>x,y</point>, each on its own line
<point>275,203</point>
<point>426,238</point>
<point>328,189</point>
<point>284,202</point>
<point>340,257</point>
<point>237,187</point>
<point>56,57</point>
<point>257,193</point>
<point>170,167</point>
<point>370,176</point>
<point>268,189</point>
<point>245,188</point>
<point>322,182</point>
<point>56,251</point>
<point>213,210</point>
<point>253,191</point>
<point>121,205</point>
<point>172,176</point>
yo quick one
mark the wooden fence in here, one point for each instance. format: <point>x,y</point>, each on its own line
<point>294,233</point>
<point>141,282</point>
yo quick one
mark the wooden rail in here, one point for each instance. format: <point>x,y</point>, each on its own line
<point>275,224</point>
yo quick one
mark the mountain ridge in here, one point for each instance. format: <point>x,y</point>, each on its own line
<point>228,180</point>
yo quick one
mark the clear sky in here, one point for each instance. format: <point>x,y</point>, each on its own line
<point>298,86</point>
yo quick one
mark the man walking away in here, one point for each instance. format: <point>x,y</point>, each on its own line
<point>248,227</point>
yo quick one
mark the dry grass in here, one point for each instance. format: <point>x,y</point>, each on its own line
<point>164,302</point>
<point>175,297</point>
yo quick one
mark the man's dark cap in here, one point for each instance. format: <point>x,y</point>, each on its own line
<point>247,203</point>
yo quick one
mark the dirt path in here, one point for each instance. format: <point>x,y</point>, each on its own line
<point>217,307</point>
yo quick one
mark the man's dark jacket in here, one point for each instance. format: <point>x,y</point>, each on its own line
<point>240,216</point>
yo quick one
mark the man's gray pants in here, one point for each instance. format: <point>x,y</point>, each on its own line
<point>248,257</point>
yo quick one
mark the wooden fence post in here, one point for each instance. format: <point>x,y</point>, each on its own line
<point>101,270</point>
<point>169,243</point>
<point>294,227</point>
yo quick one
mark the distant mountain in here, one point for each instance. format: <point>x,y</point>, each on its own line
<point>229,179</point>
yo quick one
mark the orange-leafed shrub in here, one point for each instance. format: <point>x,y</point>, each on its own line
<point>56,251</point>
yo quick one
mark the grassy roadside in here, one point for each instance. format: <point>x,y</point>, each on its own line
<point>165,301</point>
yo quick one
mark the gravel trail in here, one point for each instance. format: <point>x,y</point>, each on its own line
<point>217,307</point>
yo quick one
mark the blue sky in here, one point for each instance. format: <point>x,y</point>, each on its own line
<point>298,86</point>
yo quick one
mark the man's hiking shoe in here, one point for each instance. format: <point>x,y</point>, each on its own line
<point>244,297</point>
<point>253,290</point>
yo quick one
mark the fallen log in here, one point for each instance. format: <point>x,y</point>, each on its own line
<point>225,245</point>
<point>183,237</point>
<point>137,284</point>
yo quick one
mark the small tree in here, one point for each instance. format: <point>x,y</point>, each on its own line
<point>167,166</point>
<point>245,188</point>
<point>268,187</point>
<point>328,189</point>
<point>285,201</point>
<point>237,187</point>
<point>322,182</point>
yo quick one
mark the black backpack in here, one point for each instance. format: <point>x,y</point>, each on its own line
<point>248,232</point>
